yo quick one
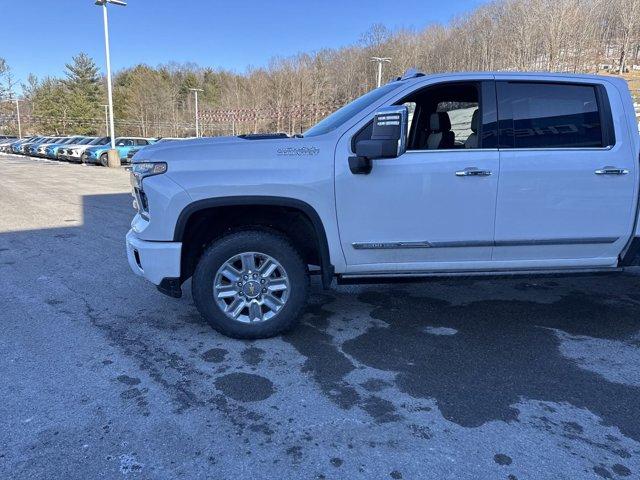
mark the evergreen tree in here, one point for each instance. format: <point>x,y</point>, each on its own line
<point>49,108</point>
<point>83,93</point>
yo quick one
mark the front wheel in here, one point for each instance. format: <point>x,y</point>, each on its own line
<point>104,160</point>
<point>251,284</point>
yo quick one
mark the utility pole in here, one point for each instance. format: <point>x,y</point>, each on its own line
<point>106,119</point>
<point>380,61</point>
<point>114,157</point>
<point>196,90</point>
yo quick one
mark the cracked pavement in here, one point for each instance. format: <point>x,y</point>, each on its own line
<point>104,377</point>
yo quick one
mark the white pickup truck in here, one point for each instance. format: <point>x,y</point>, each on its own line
<point>429,175</point>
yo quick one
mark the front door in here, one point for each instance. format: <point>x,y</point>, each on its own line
<point>433,207</point>
<point>123,146</point>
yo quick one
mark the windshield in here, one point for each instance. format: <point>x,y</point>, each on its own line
<point>340,116</point>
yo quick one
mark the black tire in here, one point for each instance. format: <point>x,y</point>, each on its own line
<point>276,246</point>
<point>104,160</point>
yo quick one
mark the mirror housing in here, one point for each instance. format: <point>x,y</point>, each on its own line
<point>388,138</point>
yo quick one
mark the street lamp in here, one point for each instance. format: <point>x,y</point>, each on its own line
<point>196,90</point>
<point>380,61</point>
<point>18,114</point>
<point>114,158</point>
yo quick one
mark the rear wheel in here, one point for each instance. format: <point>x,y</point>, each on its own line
<point>251,284</point>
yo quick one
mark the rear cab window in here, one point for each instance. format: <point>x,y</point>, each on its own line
<point>553,115</point>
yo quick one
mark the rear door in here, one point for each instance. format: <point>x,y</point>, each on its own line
<point>568,176</point>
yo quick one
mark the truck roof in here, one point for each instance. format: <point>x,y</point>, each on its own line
<point>415,75</point>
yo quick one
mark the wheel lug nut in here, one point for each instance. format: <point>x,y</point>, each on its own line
<point>246,277</point>
<point>255,275</point>
<point>264,290</point>
<point>263,281</point>
<point>239,284</point>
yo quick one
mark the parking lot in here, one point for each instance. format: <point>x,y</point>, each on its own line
<point>104,377</point>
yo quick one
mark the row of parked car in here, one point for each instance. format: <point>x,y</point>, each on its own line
<point>78,148</point>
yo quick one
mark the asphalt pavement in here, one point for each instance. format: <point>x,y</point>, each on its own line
<point>103,377</point>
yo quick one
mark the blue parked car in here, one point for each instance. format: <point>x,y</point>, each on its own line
<point>20,146</point>
<point>29,148</point>
<point>73,153</point>
<point>15,144</point>
<point>41,149</point>
<point>51,151</point>
<point>98,154</point>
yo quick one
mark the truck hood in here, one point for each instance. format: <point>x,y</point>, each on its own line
<point>230,148</point>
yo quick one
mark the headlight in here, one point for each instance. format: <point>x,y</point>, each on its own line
<point>143,170</point>
<point>140,171</point>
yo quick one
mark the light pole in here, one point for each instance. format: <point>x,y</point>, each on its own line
<point>17,113</point>
<point>106,119</point>
<point>114,158</point>
<point>196,90</point>
<point>380,61</point>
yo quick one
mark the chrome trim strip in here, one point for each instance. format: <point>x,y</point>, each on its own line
<point>511,149</point>
<point>558,149</point>
<point>556,241</point>
<point>388,245</point>
<point>442,150</point>
<point>482,243</point>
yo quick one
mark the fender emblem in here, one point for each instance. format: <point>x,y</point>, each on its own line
<point>299,152</point>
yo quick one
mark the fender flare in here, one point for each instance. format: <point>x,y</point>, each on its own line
<point>328,269</point>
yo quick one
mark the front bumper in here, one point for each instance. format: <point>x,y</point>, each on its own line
<point>154,261</point>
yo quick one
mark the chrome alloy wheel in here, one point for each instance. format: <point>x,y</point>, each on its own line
<point>251,287</point>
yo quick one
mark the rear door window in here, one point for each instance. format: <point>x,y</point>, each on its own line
<point>549,115</point>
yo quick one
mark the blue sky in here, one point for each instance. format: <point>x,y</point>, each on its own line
<point>40,36</point>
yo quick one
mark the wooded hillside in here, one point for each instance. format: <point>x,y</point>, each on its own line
<point>290,94</point>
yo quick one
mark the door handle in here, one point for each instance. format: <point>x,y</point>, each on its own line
<point>611,171</point>
<point>473,172</point>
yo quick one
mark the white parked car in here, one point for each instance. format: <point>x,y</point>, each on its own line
<point>538,173</point>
